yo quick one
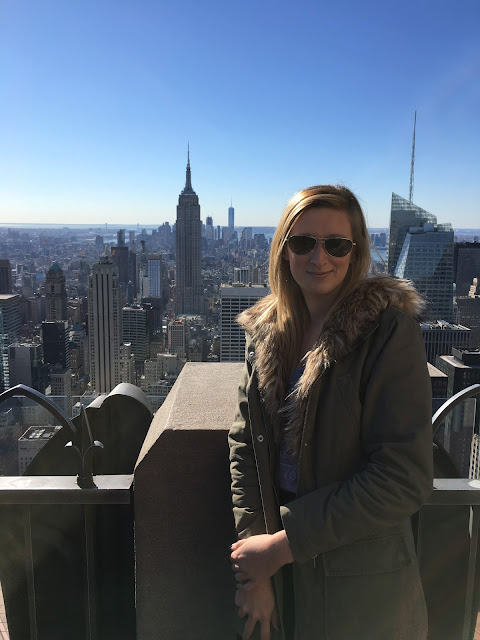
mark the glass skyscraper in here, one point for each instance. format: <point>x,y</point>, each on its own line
<point>403,215</point>
<point>422,251</point>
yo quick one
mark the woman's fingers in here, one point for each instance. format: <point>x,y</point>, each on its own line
<point>236,545</point>
<point>275,622</point>
<point>248,629</point>
<point>264,629</point>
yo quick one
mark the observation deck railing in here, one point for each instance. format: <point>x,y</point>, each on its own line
<point>178,499</point>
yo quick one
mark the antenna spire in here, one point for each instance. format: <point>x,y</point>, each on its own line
<point>188,190</point>
<point>412,165</point>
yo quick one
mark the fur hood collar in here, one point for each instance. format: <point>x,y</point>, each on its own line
<point>351,321</point>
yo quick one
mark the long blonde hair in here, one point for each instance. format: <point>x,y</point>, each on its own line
<point>286,306</point>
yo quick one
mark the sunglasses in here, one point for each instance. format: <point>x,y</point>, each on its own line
<point>335,247</point>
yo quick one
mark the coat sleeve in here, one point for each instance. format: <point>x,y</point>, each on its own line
<point>246,496</point>
<point>396,440</point>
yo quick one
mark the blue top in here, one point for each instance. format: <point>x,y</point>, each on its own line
<point>287,464</point>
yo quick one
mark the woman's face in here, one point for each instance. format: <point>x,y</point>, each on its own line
<point>317,273</point>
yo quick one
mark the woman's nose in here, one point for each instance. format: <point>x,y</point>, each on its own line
<point>319,254</point>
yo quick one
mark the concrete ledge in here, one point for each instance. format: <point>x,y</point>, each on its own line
<point>183,517</point>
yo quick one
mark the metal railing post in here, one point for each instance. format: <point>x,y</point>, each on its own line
<point>30,573</point>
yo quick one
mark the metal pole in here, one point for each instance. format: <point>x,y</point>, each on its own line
<point>474,532</point>
<point>90,600</point>
<point>29,570</point>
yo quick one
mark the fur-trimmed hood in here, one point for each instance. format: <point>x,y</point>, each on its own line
<point>354,317</point>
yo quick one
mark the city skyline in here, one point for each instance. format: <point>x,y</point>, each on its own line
<point>100,102</point>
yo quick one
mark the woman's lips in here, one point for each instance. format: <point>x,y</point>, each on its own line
<point>321,274</point>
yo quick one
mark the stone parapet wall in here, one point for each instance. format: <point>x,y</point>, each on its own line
<point>183,517</point>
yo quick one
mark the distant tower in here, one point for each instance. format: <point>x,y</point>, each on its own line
<point>231,217</point>
<point>120,260</point>
<point>55,294</point>
<point>56,343</point>
<point>26,366</point>
<point>177,338</point>
<point>104,326</point>
<point>188,280</point>
<point>5,276</point>
<point>155,272</point>
<point>10,328</point>
<point>209,231</point>
<point>135,330</point>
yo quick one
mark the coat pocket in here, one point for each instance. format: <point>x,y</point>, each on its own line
<point>373,591</point>
<point>368,557</point>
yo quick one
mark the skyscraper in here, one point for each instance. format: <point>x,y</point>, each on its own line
<point>135,330</point>
<point>231,218</point>
<point>209,231</point>
<point>403,215</point>
<point>188,279</point>
<point>55,294</point>
<point>466,266</point>
<point>10,326</point>
<point>177,338</point>
<point>104,326</point>
<point>233,300</point>
<point>120,260</point>
<point>55,341</point>
<point>5,276</point>
<point>427,259</point>
<point>469,313</point>
<point>422,251</point>
<point>154,267</point>
<point>25,363</point>
<point>440,337</point>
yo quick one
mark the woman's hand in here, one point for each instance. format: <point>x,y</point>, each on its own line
<point>259,557</point>
<point>258,605</point>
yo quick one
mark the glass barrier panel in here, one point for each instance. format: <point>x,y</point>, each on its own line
<point>458,434</point>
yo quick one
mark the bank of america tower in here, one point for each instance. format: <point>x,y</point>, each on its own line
<point>188,278</point>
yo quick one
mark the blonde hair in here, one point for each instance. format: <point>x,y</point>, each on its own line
<point>286,306</point>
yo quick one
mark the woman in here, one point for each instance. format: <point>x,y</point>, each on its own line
<point>331,448</point>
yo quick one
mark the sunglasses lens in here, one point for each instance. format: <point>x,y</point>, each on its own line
<point>338,247</point>
<point>301,245</point>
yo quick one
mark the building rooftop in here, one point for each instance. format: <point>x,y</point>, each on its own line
<point>40,433</point>
<point>433,372</point>
<point>454,362</point>
<point>8,296</point>
<point>442,325</point>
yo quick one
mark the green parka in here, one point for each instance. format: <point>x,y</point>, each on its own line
<point>362,411</point>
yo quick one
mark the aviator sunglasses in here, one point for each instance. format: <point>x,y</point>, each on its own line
<point>335,247</point>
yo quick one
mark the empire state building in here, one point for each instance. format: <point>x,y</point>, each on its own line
<point>188,279</point>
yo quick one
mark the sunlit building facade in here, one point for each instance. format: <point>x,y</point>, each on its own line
<point>427,259</point>
<point>233,300</point>
<point>403,215</point>
<point>104,326</point>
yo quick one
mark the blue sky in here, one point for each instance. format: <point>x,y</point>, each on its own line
<point>98,99</point>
